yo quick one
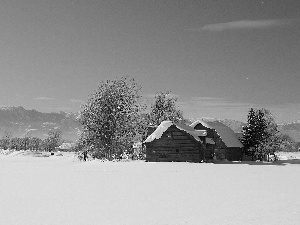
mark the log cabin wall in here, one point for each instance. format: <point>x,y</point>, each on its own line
<point>209,151</point>
<point>234,154</point>
<point>230,153</point>
<point>174,145</point>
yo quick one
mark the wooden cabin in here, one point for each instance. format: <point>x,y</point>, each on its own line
<point>172,142</point>
<point>221,141</point>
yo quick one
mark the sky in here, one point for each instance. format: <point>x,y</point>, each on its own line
<point>219,57</point>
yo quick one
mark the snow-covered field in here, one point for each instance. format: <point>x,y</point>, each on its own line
<point>61,190</point>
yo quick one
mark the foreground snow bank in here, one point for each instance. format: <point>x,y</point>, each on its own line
<point>56,190</point>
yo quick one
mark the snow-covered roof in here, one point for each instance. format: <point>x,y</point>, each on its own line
<point>166,124</point>
<point>210,141</point>
<point>226,133</point>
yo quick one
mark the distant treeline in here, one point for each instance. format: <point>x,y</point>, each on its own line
<point>53,140</point>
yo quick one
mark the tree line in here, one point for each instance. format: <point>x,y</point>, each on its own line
<point>116,116</point>
<point>53,140</point>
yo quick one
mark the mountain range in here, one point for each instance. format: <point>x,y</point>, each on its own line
<point>19,122</point>
<point>291,129</point>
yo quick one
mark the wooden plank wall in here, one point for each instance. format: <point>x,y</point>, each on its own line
<point>209,151</point>
<point>174,145</point>
<point>234,154</point>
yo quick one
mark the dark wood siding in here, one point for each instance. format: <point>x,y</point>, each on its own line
<point>174,145</point>
<point>234,154</point>
<point>209,151</point>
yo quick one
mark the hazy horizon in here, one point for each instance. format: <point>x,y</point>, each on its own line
<point>184,117</point>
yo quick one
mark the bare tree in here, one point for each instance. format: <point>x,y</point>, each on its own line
<point>53,140</point>
<point>4,142</point>
<point>164,108</point>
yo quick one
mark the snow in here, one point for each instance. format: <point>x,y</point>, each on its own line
<point>66,145</point>
<point>210,141</point>
<point>62,190</point>
<point>166,124</point>
<point>288,155</point>
<point>159,131</point>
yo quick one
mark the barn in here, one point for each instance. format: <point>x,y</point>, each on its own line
<point>175,142</point>
<point>221,141</point>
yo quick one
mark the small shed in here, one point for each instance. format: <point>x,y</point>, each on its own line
<point>221,141</point>
<point>175,142</point>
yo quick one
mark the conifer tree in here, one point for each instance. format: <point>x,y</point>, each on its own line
<point>261,136</point>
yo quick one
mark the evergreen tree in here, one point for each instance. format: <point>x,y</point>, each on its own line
<point>261,136</point>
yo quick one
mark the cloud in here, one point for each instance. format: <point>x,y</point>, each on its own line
<point>77,101</point>
<point>197,107</point>
<point>63,109</point>
<point>247,24</point>
<point>43,98</point>
<point>148,95</point>
<point>286,112</point>
<point>212,107</point>
<point>215,102</point>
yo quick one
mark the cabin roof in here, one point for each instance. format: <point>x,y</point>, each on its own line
<point>166,124</point>
<point>226,133</point>
<point>210,141</point>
